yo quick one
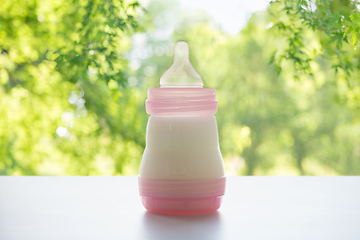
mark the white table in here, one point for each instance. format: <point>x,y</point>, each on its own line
<point>306,208</point>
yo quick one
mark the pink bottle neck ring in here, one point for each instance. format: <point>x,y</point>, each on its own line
<point>181,101</point>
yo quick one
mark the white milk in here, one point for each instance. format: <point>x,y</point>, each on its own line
<point>182,147</point>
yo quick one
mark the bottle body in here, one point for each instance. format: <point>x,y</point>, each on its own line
<point>182,147</point>
<point>182,171</point>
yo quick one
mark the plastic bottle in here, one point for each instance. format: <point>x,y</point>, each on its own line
<point>182,171</point>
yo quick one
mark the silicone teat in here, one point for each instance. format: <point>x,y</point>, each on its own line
<point>181,73</point>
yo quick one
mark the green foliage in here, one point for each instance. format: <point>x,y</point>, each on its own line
<point>335,22</point>
<point>96,44</point>
<point>58,61</point>
<point>268,123</point>
<point>71,106</point>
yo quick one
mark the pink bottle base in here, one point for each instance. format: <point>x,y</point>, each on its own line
<point>182,206</point>
<point>182,197</point>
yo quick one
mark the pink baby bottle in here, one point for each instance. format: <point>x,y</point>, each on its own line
<point>182,171</point>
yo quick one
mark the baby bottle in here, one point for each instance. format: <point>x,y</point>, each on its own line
<point>182,171</point>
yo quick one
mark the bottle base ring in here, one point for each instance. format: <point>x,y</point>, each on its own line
<point>181,206</point>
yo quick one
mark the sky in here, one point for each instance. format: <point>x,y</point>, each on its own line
<point>231,15</point>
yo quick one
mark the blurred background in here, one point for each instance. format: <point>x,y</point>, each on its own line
<point>74,77</point>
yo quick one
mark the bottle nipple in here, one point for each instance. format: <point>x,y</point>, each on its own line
<point>181,74</point>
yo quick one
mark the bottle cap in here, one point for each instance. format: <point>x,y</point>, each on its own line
<point>181,91</point>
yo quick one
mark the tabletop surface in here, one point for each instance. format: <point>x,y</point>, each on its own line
<point>46,208</point>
